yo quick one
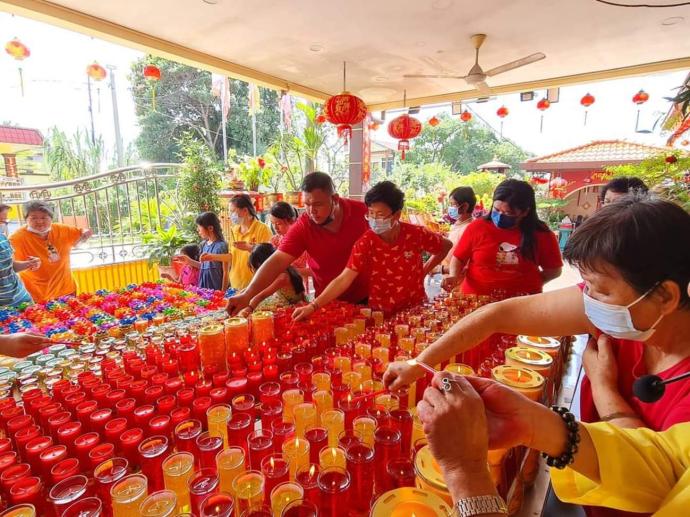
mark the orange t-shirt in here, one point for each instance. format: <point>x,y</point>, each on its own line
<point>52,279</point>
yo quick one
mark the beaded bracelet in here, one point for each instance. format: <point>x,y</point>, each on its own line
<point>565,459</point>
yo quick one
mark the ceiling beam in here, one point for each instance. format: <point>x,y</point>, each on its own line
<point>77,21</point>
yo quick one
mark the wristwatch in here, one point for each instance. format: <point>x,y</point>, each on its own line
<point>480,505</point>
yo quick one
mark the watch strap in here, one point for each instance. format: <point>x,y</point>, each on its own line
<point>480,505</point>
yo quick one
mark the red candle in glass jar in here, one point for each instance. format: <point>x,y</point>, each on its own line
<point>124,383</point>
<point>129,444</point>
<point>99,392</point>
<point>67,433</point>
<point>36,404</point>
<point>83,411</point>
<point>160,424</point>
<point>12,474</point>
<point>6,443</point>
<point>276,470</point>
<point>360,465</point>
<point>153,393</point>
<point>59,388</point>
<point>114,396</point>
<point>340,392</point>
<point>56,420</point>
<point>83,444</point>
<point>148,371</point>
<point>7,459</point>
<point>186,434</point>
<point>125,409</point>
<point>351,407</point>
<point>401,472</point>
<point>304,371</point>
<point>387,447</point>
<point>402,420</point>
<point>318,439</point>
<point>203,484</point>
<point>289,380</point>
<point>171,367</point>
<point>269,392</point>
<point>28,491</point>
<point>284,361</point>
<point>98,419</point>
<point>219,395</point>
<point>172,385</point>
<point>33,450</point>
<point>49,457</point>
<point>142,415</point>
<point>217,505</point>
<point>236,386</point>
<point>8,414</point>
<point>159,379</point>
<point>190,378</point>
<point>24,436</point>
<point>86,506</point>
<point>46,412</point>
<point>270,372</point>
<point>270,412</point>
<point>244,404</point>
<point>208,447</point>
<point>308,477</point>
<point>239,428</point>
<point>66,492</point>
<point>64,469</point>
<point>259,445</point>
<point>188,354</point>
<point>199,407</point>
<point>105,476</point>
<point>254,380</point>
<point>281,431</point>
<point>166,404</point>
<point>100,453</point>
<point>203,387</point>
<point>137,390</point>
<point>152,452</point>
<point>220,378</point>
<point>381,415</point>
<point>334,485</point>
<point>185,396</point>
<point>179,414</point>
<point>17,423</point>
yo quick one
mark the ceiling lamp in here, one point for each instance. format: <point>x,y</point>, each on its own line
<point>345,110</point>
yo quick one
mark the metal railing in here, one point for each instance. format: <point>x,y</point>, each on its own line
<point>120,206</point>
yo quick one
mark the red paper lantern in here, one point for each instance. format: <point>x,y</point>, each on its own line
<point>433,122</point>
<point>96,72</point>
<point>640,97</point>
<point>404,128</point>
<point>685,142</point>
<point>543,105</point>
<point>261,162</point>
<point>587,100</point>
<point>374,126</point>
<point>466,116</point>
<point>502,112</point>
<point>320,119</point>
<point>152,73</point>
<point>17,50</point>
<point>345,110</point>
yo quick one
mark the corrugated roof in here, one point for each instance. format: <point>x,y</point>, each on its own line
<point>20,135</point>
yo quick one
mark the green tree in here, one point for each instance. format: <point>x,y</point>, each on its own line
<point>200,179</point>
<point>75,156</point>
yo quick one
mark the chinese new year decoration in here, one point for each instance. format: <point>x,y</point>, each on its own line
<point>502,113</point>
<point>586,101</point>
<point>152,74</point>
<point>542,106</point>
<point>19,52</point>
<point>96,72</point>
<point>345,110</point>
<point>558,187</point>
<point>538,180</point>
<point>639,98</point>
<point>404,128</point>
<point>433,121</point>
<point>465,116</point>
<point>320,119</point>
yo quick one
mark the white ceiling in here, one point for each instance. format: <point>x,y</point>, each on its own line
<point>383,39</point>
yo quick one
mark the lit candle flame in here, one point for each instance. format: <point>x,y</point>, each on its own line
<point>272,463</point>
<point>333,452</point>
<point>349,397</point>
<point>519,374</point>
<point>296,442</point>
<point>312,470</point>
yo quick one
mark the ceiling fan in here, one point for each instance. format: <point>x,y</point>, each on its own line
<point>476,77</point>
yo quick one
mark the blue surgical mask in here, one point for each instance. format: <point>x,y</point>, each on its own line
<point>380,226</point>
<point>453,212</point>
<point>503,221</point>
<point>616,320</point>
<point>234,218</point>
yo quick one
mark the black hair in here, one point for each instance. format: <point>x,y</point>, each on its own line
<point>283,210</point>
<point>191,250</point>
<point>645,239</point>
<point>462,195</point>
<point>260,254</point>
<point>520,196</point>
<point>318,181</point>
<point>38,206</point>
<point>3,206</point>
<point>388,193</point>
<point>624,185</point>
<point>210,219</point>
<point>244,201</point>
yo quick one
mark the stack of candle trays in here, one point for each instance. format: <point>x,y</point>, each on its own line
<point>237,417</point>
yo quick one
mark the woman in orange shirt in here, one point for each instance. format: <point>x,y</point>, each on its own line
<point>52,243</point>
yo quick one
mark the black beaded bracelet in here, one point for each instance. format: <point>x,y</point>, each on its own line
<point>571,447</point>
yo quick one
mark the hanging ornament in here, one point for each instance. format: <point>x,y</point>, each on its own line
<point>374,126</point>
<point>685,143</point>
<point>466,116</point>
<point>639,98</point>
<point>96,72</point>
<point>345,110</point>
<point>502,113</point>
<point>587,101</point>
<point>542,106</point>
<point>19,53</point>
<point>433,122</point>
<point>152,74</point>
<point>404,128</point>
<point>320,119</point>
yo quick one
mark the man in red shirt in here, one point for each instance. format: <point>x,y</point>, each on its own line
<point>326,231</point>
<point>389,254</point>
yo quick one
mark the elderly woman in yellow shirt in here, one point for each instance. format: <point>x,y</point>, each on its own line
<point>636,470</point>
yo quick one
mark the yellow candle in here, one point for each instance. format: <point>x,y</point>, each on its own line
<point>459,368</point>
<point>332,457</point>
<point>321,380</point>
<point>334,422</point>
<point>551,346</point>
<point>420,346</point>
<point>372,385</point>
<point>407,508</point>
<point>415,320</point>
<point>407,502</point>
<point>402,330</point>
<point>526,381</point>
<point>323,401</point>
<point>530,358</point>
<point>352,331</point>
<point>420,334</point>
<point>248,489</point>
<point>352,380</point>
<point>364,370</point>
<point>177,469</point>
<point>406,344</point>
<point>429,476</point>
<point>262,327</point>
<point>236,334</point>
<point>21,510</point>
<point>363,350</point>
<point>127,494</point>
<point>361,324</point>
<point>218,417</point>
<point>388,401</point>
<point>230,463</point>
<point>365,311</point>
<point>343,363</point>
<point>159,504</point>
<point>364,428</point>
<point>382,354</point>
<point>283,494</point>
<point>212,347</point>
<point>296,453</point>
<point>341,336</point>
<point>383,340</point>
<point>378,318</point>
<point>305,418</point>
<point>290,399</point>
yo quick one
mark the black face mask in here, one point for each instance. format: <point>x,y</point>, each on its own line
<point>330,217</point>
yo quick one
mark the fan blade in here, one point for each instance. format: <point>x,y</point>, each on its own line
<point>483,88</point>
<point>431,76</point>
<point>516,64</point>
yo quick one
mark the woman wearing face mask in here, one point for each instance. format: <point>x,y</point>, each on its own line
<point>283,216</point>
<point>509,251</point>
<point>47,246</point>
<point>389,254</point>
<point>461,203</point>
<point>635,261</point>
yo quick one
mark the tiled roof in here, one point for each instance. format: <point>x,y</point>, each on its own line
<point>601,151</point>
<point>20,135</point>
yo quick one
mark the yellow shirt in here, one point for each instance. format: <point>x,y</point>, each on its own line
<point>240,274</point>
<point>641,471</point>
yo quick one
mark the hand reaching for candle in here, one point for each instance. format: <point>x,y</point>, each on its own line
<point>400,374</point>
<point>302,313</point>
<point>22,344</point>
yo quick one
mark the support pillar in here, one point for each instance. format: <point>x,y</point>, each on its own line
<point>360,160</point>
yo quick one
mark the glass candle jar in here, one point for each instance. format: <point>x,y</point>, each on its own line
<point>262,327</point>
<point>217,505</point>
<point>334,485</point>
<point>212,348</point>
<point>284,494</point>
<point>387,447</point>
<point>259,445</point>
<point>334,422</point>
<point>332,457</point>
<point>218,417</point>
<point>159,504</point>
<point>178,468</point>
<point>127,494</point>
<point>360,465</point>
<point>105,476</point>
<point>230,463</point>
<point>239,429</point>
<point>152,452</point>
<point>364,427</point>
<point>186,434</point>
<point>305,417</point>
<point>236,334</point>
<point>275,470</point>
<point>249,491</point>
<point>202,484</point>
<point>89,506</point>
<point>66,492</point>
<point>291,398</point>
<point>296,452</point>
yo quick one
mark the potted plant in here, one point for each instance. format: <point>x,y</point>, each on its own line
<point>254,172</point>
<point>162,246</point>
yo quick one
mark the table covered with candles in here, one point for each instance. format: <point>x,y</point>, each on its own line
<point>153,402</point>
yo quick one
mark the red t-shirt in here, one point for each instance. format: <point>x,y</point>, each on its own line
<point>329,252</point>
<point>395,271</point>
<point>495,261</point>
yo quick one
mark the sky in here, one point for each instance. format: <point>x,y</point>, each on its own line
<point>56,95</point>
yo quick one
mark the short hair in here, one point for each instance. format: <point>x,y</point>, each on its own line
<point>388,193</point>
<point>463,195</point>
<point>191,250</point>
<point>624,185</point>
<point>318,181</point>
<point>3,206</point>
<point>641,237</point>
<point>283,210</point>
<point>38,206</point>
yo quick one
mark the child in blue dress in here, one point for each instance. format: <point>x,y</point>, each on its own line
<point>212,274</point>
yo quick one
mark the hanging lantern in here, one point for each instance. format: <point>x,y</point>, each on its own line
<point>404,128</point>
<point>152,74</point>
<point>542,106</point>
<point>320,119</point>
<point>587,100</point>
<point>345,110</point>
<point>639,98</point>
<point>96,72</point>
<point>19,53</point>
<point>433,122</point>
<point>374,126</point>
<point>466,116</point>
<point>685,143</point>
<point>502,113</point>
<point>671,159</point>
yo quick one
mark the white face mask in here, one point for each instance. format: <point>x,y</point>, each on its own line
<point>616,320</point>
<point>37,232</point>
